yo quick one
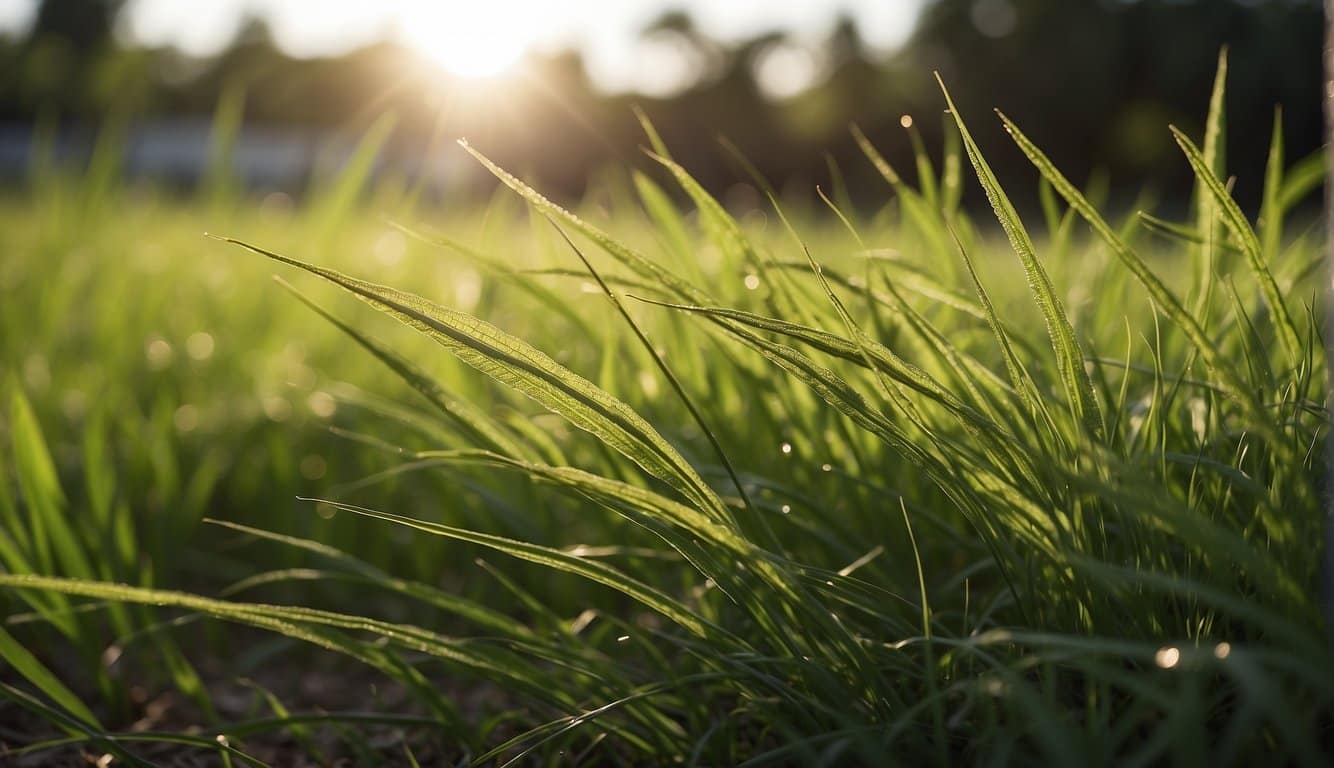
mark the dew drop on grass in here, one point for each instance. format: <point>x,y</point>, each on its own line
<point>649,383</point>
<point>313,467</point>
<point>74,403</point>
<point>322,404</point>
<point>159,354</point>
<point>277,408</point>
<point>906,121</point>
<point>1199,412</point>
<point>622,638</point>
<point>199,346</point>
<point>467,290</point>
<point>186,418</point>
<point>826,468</point>
<point>389,247</point>
<point>1222,650</point>
<point>786,448</point>
<point>36,372</point>
<point>275,206</point>
<point>111,655</point>
<point>752,282</point>
<point>1167,657</point>
<point>787,509</point>
<point>301,376</point>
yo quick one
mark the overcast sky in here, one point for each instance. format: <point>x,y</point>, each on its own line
<point>482,34</point>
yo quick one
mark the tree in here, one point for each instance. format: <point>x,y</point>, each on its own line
<point>86,25</point>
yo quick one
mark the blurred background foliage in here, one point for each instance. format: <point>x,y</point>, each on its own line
<point>1092,81</point>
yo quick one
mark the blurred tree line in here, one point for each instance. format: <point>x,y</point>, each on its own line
<point>1094,82</point>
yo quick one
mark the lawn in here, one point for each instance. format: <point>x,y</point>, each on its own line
<point>651,481</point>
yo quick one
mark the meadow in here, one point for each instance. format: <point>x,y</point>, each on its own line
<point>653,481</point>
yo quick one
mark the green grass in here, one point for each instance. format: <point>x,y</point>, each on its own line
<point>652,481</point>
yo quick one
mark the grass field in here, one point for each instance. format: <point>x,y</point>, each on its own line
<point>876,481</point>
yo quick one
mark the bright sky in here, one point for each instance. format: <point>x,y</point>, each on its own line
<point>483,37</point>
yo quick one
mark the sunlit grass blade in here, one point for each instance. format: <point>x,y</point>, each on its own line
<point>1271,207</point>
<point>592,570</point>
<point>520,365</point>
<point>621,252</point>
<point>1020,380</point>
<point>1172,307</point>
<point>1241,229</point>
<point>1206,209</point>
<point>53,537</point>
<point>918,210</point>
<point>470,419</point>
<point>666,372</point>
<point>1069,356</point>
<point>321,628</point>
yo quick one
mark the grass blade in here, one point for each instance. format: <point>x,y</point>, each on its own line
<point>1241,229</point>
<point>518,364</point>
<point>1069,357</point>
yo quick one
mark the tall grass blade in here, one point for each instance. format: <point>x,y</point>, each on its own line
<point>666,372</point>
<point>1241,229</point>
<point>463,414</point>
<point>1214,356</point>
<point>23,662</point>
<point>1271,207</point>
<point>1069,357</point>
<point>1206,210</point>
<point>518,364</point>
<point>592,570</point>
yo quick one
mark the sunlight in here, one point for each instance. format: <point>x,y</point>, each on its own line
<point>470,40</point>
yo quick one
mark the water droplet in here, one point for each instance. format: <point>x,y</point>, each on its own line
<point>1222,650</point>
<point>467,289</point>
<point>622,638</point>
<point>906,121</point>
<point>389,247</point>
<point>786,448</point>
<point>752,282</point>
<point>186,418</point>
<point>649,383</point>
<point>787,509</point>
<point>313,467</point>
<point>827,467</point>
<point>1167,657</point>
<point>199,346</point>
<point>277,408</point>
<point>158,352</point>
<point>36,372</point>
<point>322,404</point>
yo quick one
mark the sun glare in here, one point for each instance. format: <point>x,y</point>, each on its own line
<point>472,40</point>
